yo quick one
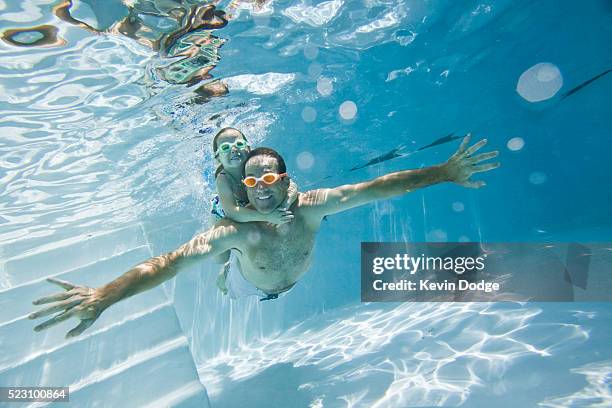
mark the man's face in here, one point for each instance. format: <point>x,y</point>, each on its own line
<point>265,197</point>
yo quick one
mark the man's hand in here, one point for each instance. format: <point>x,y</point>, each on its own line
<point>463,164</point>
<point>77,301</point>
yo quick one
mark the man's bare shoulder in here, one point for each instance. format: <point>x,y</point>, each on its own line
<point>308,198</point>
<point>232,230</point>
<point>227,226</point>
<point>308,205</point>
<point>312,198</point>
<point>226,234</point>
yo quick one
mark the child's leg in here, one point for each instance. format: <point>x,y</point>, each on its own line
<point>225,267</point>
<point>224,257</point>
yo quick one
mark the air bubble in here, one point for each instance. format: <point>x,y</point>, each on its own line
<point>458,206</point>
<point>537,177</point>
<point>436,235</point>
<point>254,237</point>
<point>348,110</point>
<point>540,82</point>
<point>516,144</point>
<point>309,114</point>
<point>315,69</point>
<point>311,51</point>
<point>305,160</point>
<point>325,86</point>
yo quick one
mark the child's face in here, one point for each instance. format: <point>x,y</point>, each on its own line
<point>235,156</point>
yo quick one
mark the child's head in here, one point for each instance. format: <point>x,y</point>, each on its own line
<point>230,148</point>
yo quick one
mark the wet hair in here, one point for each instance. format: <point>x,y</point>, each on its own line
<point>266,151</point>
<point>221,132</point>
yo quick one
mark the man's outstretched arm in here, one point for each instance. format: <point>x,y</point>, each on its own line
<point>88,303</point>
<point>458,169</point>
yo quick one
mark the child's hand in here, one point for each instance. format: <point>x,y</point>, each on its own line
<point>280,216</point>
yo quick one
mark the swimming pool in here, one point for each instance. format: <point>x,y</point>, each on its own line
<point>104,164</point>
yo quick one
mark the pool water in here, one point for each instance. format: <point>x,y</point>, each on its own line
<point>104,164</point>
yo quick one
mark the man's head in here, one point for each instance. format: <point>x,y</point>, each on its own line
<point>265,197</point>
<point>226,149</point>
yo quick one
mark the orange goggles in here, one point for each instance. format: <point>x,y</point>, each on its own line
<point>268,178</point>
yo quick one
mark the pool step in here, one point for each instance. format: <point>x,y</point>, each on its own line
<point>164,373</point>
<point>19,267</point>
<point>17,336</point>
<point>71,360</point>
<point>16,301</point>
<point>141,360</point>
<point>135,353</point>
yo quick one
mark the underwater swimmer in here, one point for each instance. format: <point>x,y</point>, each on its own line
<point>271,259</point>
<point>230,149</point>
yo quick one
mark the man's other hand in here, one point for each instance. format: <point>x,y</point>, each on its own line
<point>463,163</point>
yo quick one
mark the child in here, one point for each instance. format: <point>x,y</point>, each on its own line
<point>231,149</point>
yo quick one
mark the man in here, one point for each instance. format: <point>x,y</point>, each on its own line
<point>271,259</point>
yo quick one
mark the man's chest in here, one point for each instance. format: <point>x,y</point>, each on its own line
<point>277,254</point>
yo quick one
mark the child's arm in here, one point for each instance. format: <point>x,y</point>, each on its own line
<point>292,193</point>
<point>241,214</point>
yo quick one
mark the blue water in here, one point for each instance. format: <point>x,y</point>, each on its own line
<point>103,164</point>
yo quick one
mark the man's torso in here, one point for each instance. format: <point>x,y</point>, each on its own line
<point>273,258</point>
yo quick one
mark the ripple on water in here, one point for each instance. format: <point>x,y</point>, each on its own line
<point>56,103</point>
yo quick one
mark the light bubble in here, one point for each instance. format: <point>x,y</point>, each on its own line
<point>315,69</point>
<point>537,177</point>
<point>516,143</point>
<point>311,51</point>
<point>540,82</point>
<point>436,235</point>
<point>458,206</point>
<point>283,229</point>
<point>309,114</point>
<point>254,237</point>
<point>348,110</point>
<point>305,160</point>
<point>325,86</point>
<point>464,238</point>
